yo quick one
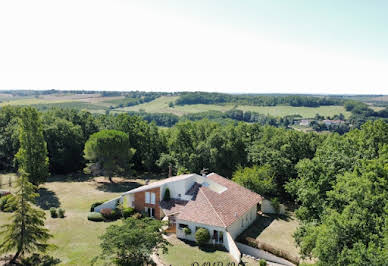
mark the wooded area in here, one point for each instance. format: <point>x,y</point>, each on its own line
<point>339,182</point>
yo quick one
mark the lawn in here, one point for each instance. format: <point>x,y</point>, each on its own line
<point>185,253</point>
<point>160,105</point>
<point>75,236</point>
<point>276,231</point>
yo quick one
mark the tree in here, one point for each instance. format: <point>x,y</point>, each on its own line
<point>26,232</point>
<point>132,242</point>
<point>32,154</point>
<point>9,142</point>
<point>257,178</point>
<point>110,150</point>
<point>65,146</point>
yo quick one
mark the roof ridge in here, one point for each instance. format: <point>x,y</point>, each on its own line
<point>213,208</point>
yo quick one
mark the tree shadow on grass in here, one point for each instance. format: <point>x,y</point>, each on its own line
<point>123,186</point>
<point>71,177</point>
<point>47,199</point>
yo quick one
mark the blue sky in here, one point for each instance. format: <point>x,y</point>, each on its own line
<point>228,46</point>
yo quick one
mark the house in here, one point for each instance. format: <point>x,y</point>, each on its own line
<point>305,122</point>
<point>211,201</point>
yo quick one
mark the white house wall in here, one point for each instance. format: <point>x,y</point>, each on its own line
<point>192,226</point>
<point>249,217</point>
<point>178,187</point>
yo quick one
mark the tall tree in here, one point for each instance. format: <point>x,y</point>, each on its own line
<point>26,232</point>
<point>32,154</point>
<point>110,151</point>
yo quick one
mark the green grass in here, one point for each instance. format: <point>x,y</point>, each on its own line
<point>184,254</point>
<point>75,236</point>
<point>276,231</point>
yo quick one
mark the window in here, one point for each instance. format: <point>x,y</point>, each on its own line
<point>150,212</point>
<point>182,226</point>
<point>147,197</point>
<point>153,198</point>
<point>179,195</point>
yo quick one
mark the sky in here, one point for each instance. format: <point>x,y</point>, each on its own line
<point>245,46</point>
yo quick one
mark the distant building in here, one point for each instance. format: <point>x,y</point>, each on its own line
<point>305,122</point>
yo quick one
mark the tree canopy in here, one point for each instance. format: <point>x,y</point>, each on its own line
<point>110,151</point>
<point>132,242</point>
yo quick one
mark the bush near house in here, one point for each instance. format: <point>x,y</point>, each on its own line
<point>94,205</point>
<point>61,213</point>
<point>187,231</point>
<point>127,212</point>
<point>53,212</point>
<point>262,262</point>
<point>137,215</point>
<point>95,217</point>
<point>167,195</point>
<point>202,236</point>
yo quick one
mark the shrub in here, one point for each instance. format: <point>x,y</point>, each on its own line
<point>53,212</point>
<point>116,214</point>
<point>279,252</point>
<point>202,236</point>
<point>187,231</point>
<point>61,213</point>
<point>167,195</point>
<point>262,262</point>
<point>94,205</point>
<point>275,204</point>
<point>95,217</point>
<point>128,212</point>
<point>107,213</point>
<point>137,215</point>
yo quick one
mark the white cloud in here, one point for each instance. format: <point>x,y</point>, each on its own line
<point>112,44</point>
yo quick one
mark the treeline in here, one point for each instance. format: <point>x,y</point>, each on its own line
<point>362,113</point>
<point>256,100</point>
<point>66,132</point>
<point>169,120</point>
<point>134,98</point>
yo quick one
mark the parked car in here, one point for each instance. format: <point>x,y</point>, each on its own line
<point>4,193</point>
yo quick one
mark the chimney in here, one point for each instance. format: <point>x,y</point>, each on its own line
<point>169,170</point>
<point>204,172</point>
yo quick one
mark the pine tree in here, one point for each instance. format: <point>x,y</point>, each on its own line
<point>32,155</point>
<point>26,232</point>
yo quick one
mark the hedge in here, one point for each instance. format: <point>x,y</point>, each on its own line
<point>95,217</point>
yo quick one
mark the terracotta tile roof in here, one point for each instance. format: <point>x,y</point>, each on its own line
<point>172,206</point>
<point>219,209</point>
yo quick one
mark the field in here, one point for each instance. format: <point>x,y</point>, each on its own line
<point>96,103</point>
<point>160,105</point>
